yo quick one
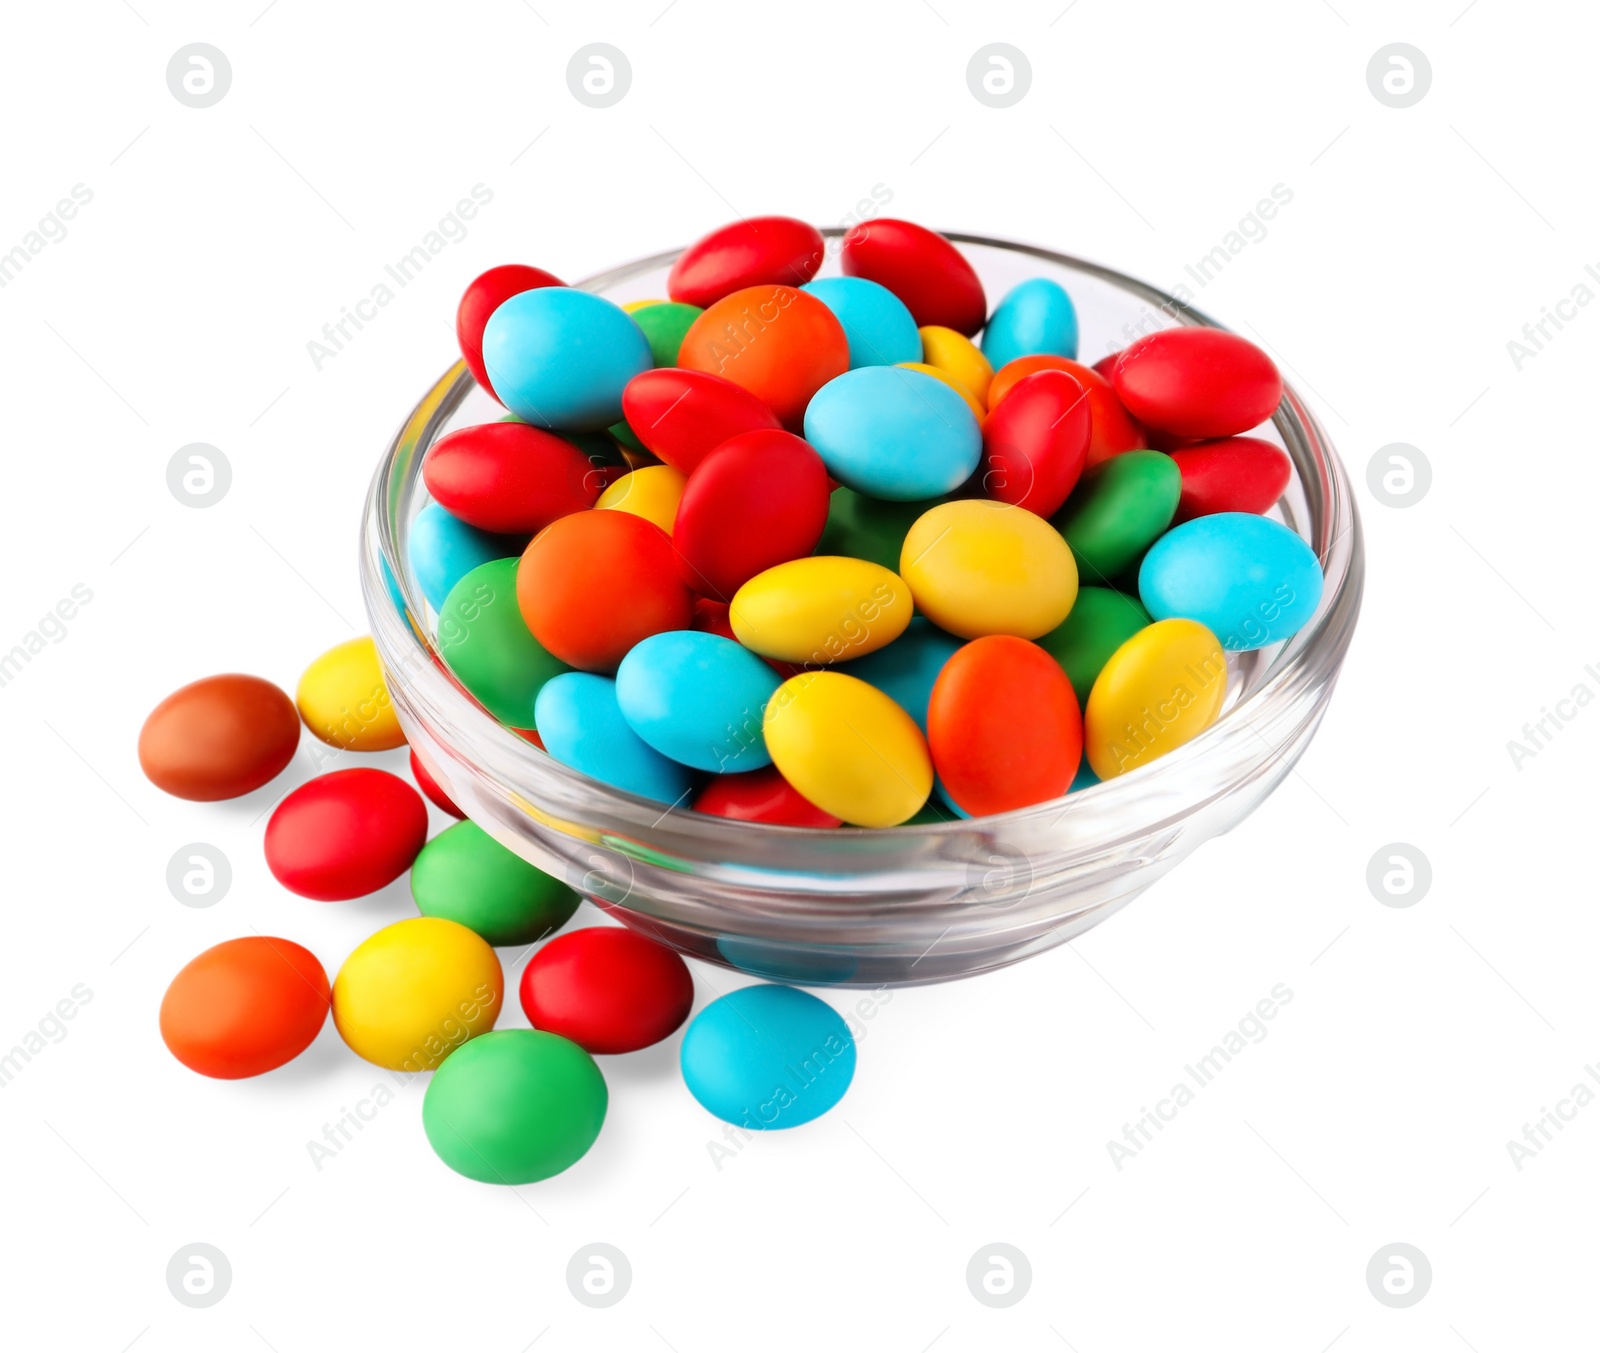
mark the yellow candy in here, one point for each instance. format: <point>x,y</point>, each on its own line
<point>938,373</point>
<point>343,700</point>
<point>978,567</point>
<point>413,993</point>
<point>631,306</point>
<point>823,609</point>
<point>651,492</point>
<point>959,357</point>
<point>1164,686</point>
<point>848,748</point>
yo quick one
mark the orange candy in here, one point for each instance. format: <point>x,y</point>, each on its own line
<point>1004,726</point>
<point>1112,429</point>
<point>245,1006</point>
<point>780,344</point>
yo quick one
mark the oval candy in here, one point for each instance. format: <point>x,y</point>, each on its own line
<point>582,726</point>
<point>958,357</point>
<point>1250,580</point>
<point>1237,474</point>
<point>906,670</point>
<point>1197,382</point>
<point>652,492</point>
<point>1111,429</point>
<point>508,478</point>
<point>218,738</point>
<point>1117,510</point>
<point>761,796</point>
<point>483,296</point>
<point>877,325</point>
<point>609,989</point>
<point>869,528</point>
<point>681,416</point>
<point>977,567</point>
<point>1036,443</point>
<point>894,433</point>
<point>1034,316</point>
<point>745,254</point>
<point>1162,688</point>
<point>443,549</point>
<point>921,267</point>
<point>697,698</point>
<point>345,834</point>
<point>343,699</point>
<point>488,647</point>
<point>951,381</point>
<point>1100,622</point>
<point>431,787</point>
<point>466,876</point>
<point>821,609</point>
<point>663,324</point>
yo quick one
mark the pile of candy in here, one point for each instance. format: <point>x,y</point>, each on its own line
<point>791,551</point>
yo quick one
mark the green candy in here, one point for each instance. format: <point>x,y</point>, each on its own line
<point>664,324</point>
<point>485,642</point>
<point>860,527</point>
<point>1100,622</point>
<point>465,875</point>
<point>1117,511</point>
<point>514,1106</point>
<point>626,436</point>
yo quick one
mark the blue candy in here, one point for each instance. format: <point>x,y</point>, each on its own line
<point>444,549</point>
<point>892,433</point>
<point>582,727</point>
<point>876,321</point>
<point>698,698</point>
<point>768,1057</point>
<point>906,669</point>
<point>1251,581</point>
<point>558,358</point>
<point>1034,316</point>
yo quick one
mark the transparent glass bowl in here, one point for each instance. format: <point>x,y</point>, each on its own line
<point>854,907</point>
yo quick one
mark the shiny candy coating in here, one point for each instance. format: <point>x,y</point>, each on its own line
<point>977,567</point>
<point>408,996</point>
<point>509,478</point>
<point>443,549</point>
<point>431,787</point>
<point>682,416</point>
<point>761,796</point>
<point>1034,316</point>
<point>1237,474</point>
<point>1197,382</point>
<point>1036,442</point>
<point>745,254</point>
<point>483,296</point>
<point>959,358</point>
<point>768,1057</point>
<point>466,876</point>
<point>244,1007</point>
<point>652,492</point>
<point>697,698</point>
<point>559,358</point>
<point>608,989</point>
<point>1162,688</point>
<point>582,726</point>
<point>345,834</point>
<point>779,343</point>
<point>921,267</point>
<point>1111,429</point>
<point>1003,726</point>
<point>218,738</point>
<point>663,325</point>
<point>344,701</point>
<point>759,499</point>
<point>894,433</point>
<point>876,323</point>
<point>940,375</point>
<point>821,609</point>
<point>1250,580</point>
<point>1118,510</point>
<point>1100,622</point>
<point>592,585</point>
<point>906,670</point>
<point>488,647</point>
<point>849,749</point>
<point>514,1107</point>
<point>869,528</point>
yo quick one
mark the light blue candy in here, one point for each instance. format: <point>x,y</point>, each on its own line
<point>876,321</point>
<point>892,433</point>
<point>558,358</point>
<point>582,726</point>
<point>768,1057</point>
<point>1034,316</point>
<point>1251,581</point>
<point>906,669</point>
<point>698,698</point>
<point>444,549</point>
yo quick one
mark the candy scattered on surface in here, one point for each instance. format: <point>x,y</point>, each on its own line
<point>218,738</point>
<point>608,989</point>
<point>345,834</point>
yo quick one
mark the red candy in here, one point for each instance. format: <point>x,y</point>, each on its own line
<point>430,787</point>
<point>761,796</point>
<point>509,478</point>
<point>484,295</point>
<point>759,499</point>
<point>1004,726</point>
<point>1197,382</point>
<point>684,415</point>
<point>1111,430</point>
<point>746,254</point>
<point>922,268</point>
<point>345,834</point>
<point>1239,474</point>
<point>780,344</point>
<point>1036,442</point>
<point>592,585</point>
<point>607,989</point>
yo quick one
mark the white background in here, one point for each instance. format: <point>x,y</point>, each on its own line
<point>1418,1041</point>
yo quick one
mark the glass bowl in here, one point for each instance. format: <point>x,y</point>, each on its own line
<point>855,907</point>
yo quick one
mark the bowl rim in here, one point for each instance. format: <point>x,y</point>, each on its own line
<point>1308,659</point>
